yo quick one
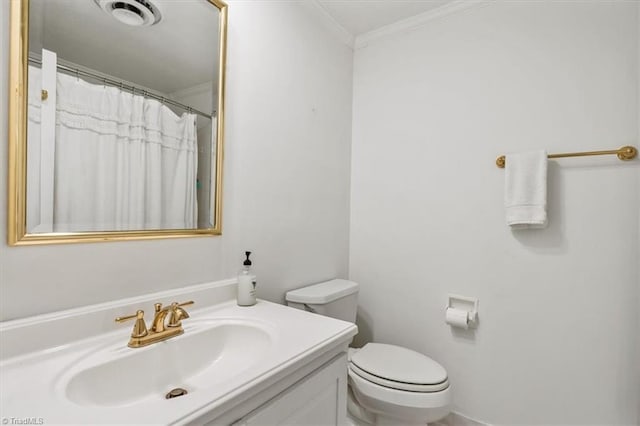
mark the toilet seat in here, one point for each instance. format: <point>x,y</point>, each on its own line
<point>410,387</point>
<point>371,395</point>
<point>398,368</point>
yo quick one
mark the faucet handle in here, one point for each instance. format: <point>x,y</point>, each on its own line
<point>158,306</point>
<point>139,328</point>
<point>176,314</point>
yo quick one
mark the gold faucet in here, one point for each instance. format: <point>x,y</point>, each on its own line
<point>160,328</point>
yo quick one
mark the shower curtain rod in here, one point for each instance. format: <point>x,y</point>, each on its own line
<point>123,86</point>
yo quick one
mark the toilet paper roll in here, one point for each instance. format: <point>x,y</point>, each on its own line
<point>457,318</point>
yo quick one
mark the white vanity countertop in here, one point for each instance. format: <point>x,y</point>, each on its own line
<point>36,384</point>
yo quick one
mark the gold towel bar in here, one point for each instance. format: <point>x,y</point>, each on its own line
<point>625,153</point>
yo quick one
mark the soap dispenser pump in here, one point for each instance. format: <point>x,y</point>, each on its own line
<point>246,283</point>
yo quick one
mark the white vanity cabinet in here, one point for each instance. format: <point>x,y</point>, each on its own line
<point>317,398</point>
<point>267,364</point>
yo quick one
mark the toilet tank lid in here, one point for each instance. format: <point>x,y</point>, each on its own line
<point>324,292</point>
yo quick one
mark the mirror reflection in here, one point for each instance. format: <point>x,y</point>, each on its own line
<point>121,107</point>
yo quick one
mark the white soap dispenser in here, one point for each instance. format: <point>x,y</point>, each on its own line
<point>246,284</point>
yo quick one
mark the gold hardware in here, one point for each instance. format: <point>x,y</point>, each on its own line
<point>44,95</point>
<point>176,314</point>
<point>160,329</point>
<point>625,153</point>
<point>139,328</point>
<point>174,393</point>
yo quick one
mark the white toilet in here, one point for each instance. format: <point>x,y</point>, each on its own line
<point>388,384</point>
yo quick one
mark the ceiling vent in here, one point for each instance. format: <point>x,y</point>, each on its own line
<point>137,13</point>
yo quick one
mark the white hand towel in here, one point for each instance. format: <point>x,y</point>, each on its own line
<point>525,196</point>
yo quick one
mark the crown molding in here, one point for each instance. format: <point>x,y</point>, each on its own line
<point>330,23</point>
<point>415,21</point>
<point>194,90</point>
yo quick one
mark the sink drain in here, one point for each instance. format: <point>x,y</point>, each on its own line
<point>174,393</point>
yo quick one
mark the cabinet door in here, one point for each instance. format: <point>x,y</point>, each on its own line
<point>318,399</point>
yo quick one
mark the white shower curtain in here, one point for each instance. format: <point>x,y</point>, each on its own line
<point>35,165</point>
<point>122,162</point>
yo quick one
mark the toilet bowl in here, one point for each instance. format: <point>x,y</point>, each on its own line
<point>388,384</point>
<point>397,385</point>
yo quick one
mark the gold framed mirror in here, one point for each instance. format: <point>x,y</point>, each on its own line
<point>116,120</point>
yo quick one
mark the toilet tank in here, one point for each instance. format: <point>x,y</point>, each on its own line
<point>335,298</point>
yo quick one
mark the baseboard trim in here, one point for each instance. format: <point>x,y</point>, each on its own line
<point>457,419</point>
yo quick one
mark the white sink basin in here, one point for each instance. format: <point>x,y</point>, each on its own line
<point>226,353</point>
<point>206,354</point>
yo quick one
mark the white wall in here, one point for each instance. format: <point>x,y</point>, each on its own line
<point>286,183</point>
<point>433,108</point>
